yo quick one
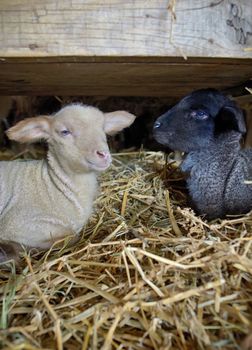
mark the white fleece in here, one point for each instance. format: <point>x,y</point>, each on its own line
<point>40,204</point>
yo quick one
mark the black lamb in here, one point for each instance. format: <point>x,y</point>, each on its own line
<point>208,127</point>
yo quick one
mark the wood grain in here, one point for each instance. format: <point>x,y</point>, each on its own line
<point>187,28</point>
<point>119,77</point>
<point>118,47</point>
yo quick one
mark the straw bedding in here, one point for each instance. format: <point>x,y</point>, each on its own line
<point>147,273</point>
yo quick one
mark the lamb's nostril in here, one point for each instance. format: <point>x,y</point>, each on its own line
<point>102,154</point>
<point>157,125</point>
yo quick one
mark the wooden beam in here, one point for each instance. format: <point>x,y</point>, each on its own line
<point>119,77</point>
<point>186,28</point>
<point>118,47</point>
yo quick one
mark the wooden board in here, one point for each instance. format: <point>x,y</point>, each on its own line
<point>187,28</point>
<point>118,47</point>
<point>119,77</point>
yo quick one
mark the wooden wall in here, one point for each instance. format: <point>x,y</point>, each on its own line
<point>118,47</point>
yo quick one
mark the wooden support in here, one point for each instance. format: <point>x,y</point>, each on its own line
<point>171,28</point>
<point>118,47</point>
<point>110,77</point>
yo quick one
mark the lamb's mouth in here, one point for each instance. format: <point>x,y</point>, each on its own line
<point>98,167</point>
<point>162,139</point>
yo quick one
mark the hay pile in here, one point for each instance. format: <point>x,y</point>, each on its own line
<point>147,274</point>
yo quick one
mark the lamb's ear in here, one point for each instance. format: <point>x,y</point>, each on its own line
<point>230,118</point>
<point>117,121</point>
<point>30,130</point>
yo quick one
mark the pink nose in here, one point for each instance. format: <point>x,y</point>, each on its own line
<point>101,154</point>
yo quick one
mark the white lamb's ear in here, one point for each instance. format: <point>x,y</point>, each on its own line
<point>30,130</point>
<point>117,121</point>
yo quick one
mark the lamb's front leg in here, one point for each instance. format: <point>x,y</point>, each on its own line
<point>205,185</point>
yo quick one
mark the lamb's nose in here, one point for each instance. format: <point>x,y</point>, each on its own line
<point>102,154</point>
<point>157,125</point>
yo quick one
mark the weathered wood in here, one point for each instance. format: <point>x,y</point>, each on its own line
<point>119,47</point>
<point>189,28</point>
<point>119,77</point>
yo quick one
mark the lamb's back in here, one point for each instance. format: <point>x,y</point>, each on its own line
<point>238,189</point>
<point>16,178</point>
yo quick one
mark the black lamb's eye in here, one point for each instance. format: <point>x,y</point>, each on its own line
<point>65,132</point>
<point>200,115</point>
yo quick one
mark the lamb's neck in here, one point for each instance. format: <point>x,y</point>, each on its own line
<point>75,186</point>
<point>230,141</point>
<point>222,150</point>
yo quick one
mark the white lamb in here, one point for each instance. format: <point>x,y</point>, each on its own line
<point>42,201</point>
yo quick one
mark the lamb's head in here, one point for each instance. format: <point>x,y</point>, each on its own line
<point>197,119</point>
<point>76,135</point>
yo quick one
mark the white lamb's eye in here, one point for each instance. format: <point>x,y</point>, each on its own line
<point>65,132</point>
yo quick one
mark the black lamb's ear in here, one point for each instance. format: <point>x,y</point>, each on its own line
<point>230,118</point>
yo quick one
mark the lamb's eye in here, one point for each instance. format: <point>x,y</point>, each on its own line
<point>65,132</point>
<point>200,115</point>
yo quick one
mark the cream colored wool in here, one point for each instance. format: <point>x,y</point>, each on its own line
<point>42,201</point>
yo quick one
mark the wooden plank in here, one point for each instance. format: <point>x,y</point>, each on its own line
<point>114,77</point>
<point>189,28</point>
